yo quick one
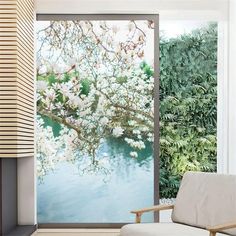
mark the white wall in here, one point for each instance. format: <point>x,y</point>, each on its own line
<point>232,87</point>
<point>26,191</point>
<point>168,9</point>
<point>222,99</point>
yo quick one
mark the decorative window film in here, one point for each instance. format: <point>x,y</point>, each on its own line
<point>95,122</point>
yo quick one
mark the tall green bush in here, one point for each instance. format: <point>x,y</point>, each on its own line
<point>188,106</point>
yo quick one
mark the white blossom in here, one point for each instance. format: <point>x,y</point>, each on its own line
<point>50,94</point>
<point>133,154</point>
<point>104,121</point>
<point>117,131</point>
<point>41,85</point>
<point>75,101</point>
<point>131,26</point>
<point>115,29</point>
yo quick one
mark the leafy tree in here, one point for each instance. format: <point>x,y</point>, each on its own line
<point>188,106</point>
<point>90,81</point>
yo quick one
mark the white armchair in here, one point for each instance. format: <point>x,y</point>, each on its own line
<point>205,206</point>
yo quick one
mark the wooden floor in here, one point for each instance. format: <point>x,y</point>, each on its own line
<point>77,232</point>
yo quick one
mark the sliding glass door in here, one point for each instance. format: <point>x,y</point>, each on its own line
<point>97,110</point>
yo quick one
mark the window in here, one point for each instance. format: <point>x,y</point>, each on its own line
<point>188,102</point>
<point>96,94</point>
<point>99,101</point>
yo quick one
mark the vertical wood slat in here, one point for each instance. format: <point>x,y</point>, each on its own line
<point>16,78</point>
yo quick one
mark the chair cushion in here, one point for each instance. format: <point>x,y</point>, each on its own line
<point>162,229</point>
<point>206,199</point>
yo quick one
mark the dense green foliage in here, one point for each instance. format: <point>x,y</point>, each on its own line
<point>188,106</point>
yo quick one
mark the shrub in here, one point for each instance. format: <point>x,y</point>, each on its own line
<point>188,106</point>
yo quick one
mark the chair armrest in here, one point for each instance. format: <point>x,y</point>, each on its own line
<point>139,212</point>
<point>218,228</point>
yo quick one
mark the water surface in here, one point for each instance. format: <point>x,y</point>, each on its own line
<point>73,193</point>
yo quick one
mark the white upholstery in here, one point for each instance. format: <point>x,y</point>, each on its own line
<point>163,229</point>
<point>206,199</point>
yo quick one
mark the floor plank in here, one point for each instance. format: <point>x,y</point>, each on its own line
<point>77,232</point>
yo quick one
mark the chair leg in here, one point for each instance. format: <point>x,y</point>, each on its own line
<point>138,218</point>
<point>212,233</point>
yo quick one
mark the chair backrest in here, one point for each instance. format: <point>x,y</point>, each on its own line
<point>206,199</point>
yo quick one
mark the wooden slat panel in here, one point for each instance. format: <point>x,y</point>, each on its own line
<point>12,92</point>
<point>22,46</point>
<point>26,9</point>
<point>7,42</point>
<point>7,11</point>
<point>26,15</point>
<point>8,6</point>
<point>17,116</point>
<point>18,86</point>
<point>22,60</point>
<point>9,92</point>
<point>6,2</point>
<point>9,29</point>
<point>14,98</point>
<point>17,150</point>
<point>12,124</point>
<point>16,155</point>
<point>9,88</point>
<point>7,74</point>
<point>8,70</point>
<point>4,38</point>
<point>16,129</point>
<point>8,20</point>
<point>12,106</point>
<point>17,78</point>
<point>7,65</point>
<point>6,101</point>
<point>23,134</point>
<point>9,47</point>
<point>23,27</point>
<point>26,74</point>
<point>16,142</point>
<point>28,3</point>
<point>26,68</point>
<point>7,34</point>
<point>8,61</point>
<point>8,16</point>
<point>24,83</point>
<point>19,120</point>
<point>14,137</point>
<point>7,24</point>
<point>19,104</point>
<point>29,99</point>
<point>15,146</point>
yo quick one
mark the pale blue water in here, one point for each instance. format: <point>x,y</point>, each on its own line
<point>69,196</point>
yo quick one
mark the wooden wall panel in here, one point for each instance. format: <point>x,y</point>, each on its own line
<point>17,78</point>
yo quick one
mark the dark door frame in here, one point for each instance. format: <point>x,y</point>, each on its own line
<point>110,17</point>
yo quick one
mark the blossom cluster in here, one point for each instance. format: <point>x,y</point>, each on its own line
<point>103,92</point>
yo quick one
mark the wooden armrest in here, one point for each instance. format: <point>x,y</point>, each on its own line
<point>218,228</point>
<point>139,212</point>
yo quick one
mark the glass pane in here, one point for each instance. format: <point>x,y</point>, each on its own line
<point>188,102</point>
<point>95,120</point>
